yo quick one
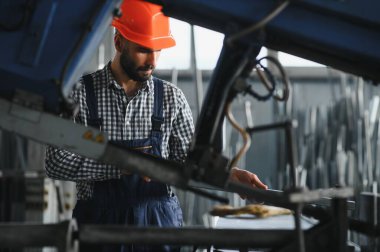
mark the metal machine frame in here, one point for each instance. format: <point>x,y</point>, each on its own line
<point>30,111</point>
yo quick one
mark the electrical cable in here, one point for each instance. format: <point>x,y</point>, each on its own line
<point>242,131</point>
<point>23,20</point>
<point>259,24</point>
<point>270,83</point>
<point>284,77</point>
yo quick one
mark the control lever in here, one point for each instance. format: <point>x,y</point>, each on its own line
<point>325,201</point>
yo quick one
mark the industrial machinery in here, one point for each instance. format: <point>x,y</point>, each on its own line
<point>45,45</point>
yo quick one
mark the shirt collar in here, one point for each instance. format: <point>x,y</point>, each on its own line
<point>112,83</point>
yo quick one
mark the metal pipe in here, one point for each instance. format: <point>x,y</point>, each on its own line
<point>197,75</point>
<point>364,228</point>
<point>292,150</point>
<point>165,171</point>
<point>291,198</point>
<point>20,235</point>
<point>65,236</point>
<point>339,208</point>
<point>298,229</point>
<point>292,154</point>
<point>226,238</point>
<point>273,126</point>
<point>276,198</point>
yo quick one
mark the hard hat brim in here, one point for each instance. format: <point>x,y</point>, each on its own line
<point>154,43</point>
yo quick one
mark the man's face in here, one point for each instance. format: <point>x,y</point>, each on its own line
<point>138,62</point>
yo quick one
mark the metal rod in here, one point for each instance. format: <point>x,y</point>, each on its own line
<point>226,238</point>
<point>292,154</point>
<point>20,235</point>
<point>65,236</point>
<point>260,24</point>
<point>28,174</point>
<point>291,198</point>
<point>326,201</point>
<point>197,75</point>
<point>339,210</point>
<point>165,171</point>
<point>288,126</point>
<point>266,127</point>
<point>364,227</point>
<point>298,229</point>
<point>273,197</point>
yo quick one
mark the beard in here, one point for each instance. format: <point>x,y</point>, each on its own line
<point>133,71</point>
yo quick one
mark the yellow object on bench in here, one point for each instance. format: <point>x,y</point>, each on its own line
<point>258,210</point>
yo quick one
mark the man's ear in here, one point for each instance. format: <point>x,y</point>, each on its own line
<point>119,42</point>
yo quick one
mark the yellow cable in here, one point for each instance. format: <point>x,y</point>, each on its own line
<point>243,132</point>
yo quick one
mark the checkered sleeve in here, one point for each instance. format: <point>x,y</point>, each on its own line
<point>64,165</point>
<point>182,131</point>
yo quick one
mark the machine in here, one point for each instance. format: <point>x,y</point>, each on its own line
<point>45,46</point>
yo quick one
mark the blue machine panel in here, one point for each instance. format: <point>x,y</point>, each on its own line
<point>343,34</point>
<point>45,45</point>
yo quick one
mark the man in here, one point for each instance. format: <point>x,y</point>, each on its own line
<point>138,111</point>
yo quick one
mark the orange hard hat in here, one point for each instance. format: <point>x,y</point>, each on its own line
<point>143,23</point>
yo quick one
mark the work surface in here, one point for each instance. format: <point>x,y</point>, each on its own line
<point>284,222</point>
<point>250,222</point>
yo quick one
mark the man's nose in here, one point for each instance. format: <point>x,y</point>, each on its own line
<point>152,58</point>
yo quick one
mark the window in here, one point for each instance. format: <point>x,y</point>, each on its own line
<point>288,60</point>
<point>178,56</point>
<point>208,45</point>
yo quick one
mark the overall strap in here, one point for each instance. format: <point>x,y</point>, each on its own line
<point>94,120</point>
<point>158,115</point>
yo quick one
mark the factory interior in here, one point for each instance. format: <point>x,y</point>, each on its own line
<point>285,89</point>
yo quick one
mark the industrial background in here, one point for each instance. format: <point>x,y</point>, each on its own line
<point>337,139</point>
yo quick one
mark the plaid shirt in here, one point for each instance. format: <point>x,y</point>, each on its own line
<point>124,118</point>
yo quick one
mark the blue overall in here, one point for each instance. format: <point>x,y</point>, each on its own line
<point>130,200</point>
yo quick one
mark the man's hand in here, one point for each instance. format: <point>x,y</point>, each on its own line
<point>246,178</point>
<point>146,179</point>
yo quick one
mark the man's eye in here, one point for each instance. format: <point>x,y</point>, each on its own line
<point>144,50</point>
